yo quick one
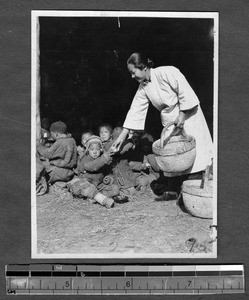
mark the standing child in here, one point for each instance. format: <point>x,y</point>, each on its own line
<point>59,159</point>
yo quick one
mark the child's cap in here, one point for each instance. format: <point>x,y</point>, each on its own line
<point>59,127</point>
<point>93,139</point>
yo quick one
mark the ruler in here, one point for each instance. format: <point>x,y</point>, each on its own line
<point>68,279</point>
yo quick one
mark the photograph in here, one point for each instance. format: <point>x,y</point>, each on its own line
<point>124,135</point>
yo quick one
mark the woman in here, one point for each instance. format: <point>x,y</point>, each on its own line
<point>168,90</point>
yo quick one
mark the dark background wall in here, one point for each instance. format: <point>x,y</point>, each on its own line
<point>84,77</point>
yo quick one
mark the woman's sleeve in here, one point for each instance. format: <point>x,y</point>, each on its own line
<point>135,118</point>
<point>186,95</point>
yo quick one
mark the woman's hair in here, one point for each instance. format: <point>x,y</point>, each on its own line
<point>106,125</point>
<point>140,61</point>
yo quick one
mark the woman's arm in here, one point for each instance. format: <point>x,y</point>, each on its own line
<point>121,138</point>
<point>135,118</point>
<point>188,100</point>
<point>183,115</point>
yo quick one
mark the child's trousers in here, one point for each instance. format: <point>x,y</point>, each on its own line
<point>59,174</point>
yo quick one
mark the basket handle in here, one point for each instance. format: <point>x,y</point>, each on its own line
<point>176,130</point>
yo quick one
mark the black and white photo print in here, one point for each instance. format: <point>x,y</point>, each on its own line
<point>124,134</point>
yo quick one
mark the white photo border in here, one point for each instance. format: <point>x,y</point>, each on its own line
<point>35,14</point>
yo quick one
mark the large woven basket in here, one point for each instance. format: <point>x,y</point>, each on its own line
<point>198,201</point>
<point>176,154</point>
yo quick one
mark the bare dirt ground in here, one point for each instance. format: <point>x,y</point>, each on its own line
<point>66,225</point>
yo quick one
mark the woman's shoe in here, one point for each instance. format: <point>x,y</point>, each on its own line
<point>167,196</point>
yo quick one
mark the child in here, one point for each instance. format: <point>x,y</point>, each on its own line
<point>120,168</point>
<point>93,166</point>
<point>82,149</point>
<point>129,144</point>
<point>45,125</point>
<point>82,188</point>
<point>116,132</point>
<point>146,143</point>
<point>105,133</point>
<point>45,132</point>
<point>140,165</point>
<point>41,183</point>
<point>59,159</point>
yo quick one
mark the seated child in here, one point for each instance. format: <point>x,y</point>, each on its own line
<point>45,125</point>
<point>59,159</point>
<point>122,173</point>
<point>146,143</point>
<point>93,166</point>
<point>82,149</point>
<point>41,183</point>
<point>129,144</point>
<point>105,133</point>
<point>82,188</point>
<point>116,132</point>
<point>140,165</point>
<point>45,132</point>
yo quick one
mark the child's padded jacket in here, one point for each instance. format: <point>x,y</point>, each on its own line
<point>63,153</point>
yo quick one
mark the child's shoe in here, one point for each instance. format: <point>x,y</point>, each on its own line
<point>121,199</point>
<point>92,201</point>
<point>41,186</point>
<point>108,202</point>
<point>60,184</point>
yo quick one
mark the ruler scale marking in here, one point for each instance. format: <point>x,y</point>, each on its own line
<point>68,279</point>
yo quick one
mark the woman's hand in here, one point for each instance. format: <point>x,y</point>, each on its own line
<point>118,142</point>
<point>183,115</point>
<point>180,120</point>
<point>116,145</point>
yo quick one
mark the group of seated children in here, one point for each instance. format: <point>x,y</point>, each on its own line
<point>92,170</point>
